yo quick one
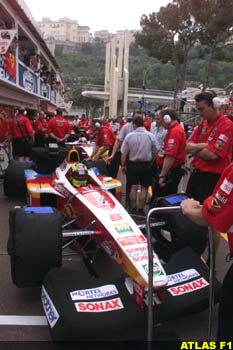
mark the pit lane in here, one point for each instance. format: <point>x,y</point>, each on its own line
<point>21,314</point>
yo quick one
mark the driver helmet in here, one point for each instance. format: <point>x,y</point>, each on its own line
<point>83,140</point>
<point>78,175</point>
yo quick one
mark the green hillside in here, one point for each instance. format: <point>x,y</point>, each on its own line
<point>85,64</point>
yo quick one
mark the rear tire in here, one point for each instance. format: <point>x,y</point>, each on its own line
<point>14,184</point>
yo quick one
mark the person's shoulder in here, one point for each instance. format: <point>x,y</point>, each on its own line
<point>227,121</point>
<point>129,135</point>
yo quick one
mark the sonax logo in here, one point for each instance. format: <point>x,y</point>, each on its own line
<point>49,309</point>
<point>100,306</point>
<point>188,287</point>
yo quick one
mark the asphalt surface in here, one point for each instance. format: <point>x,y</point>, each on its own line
<point>26,302</point>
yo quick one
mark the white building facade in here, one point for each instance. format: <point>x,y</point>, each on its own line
<point>64,29</point>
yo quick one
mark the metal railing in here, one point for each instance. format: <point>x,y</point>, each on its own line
<point>140,91</point>
<point>150,273</point>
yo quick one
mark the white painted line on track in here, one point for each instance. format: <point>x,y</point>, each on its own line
<point>15,320</point>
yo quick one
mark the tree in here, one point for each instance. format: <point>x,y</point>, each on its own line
<point>90,105</point>
<point>215,20</point>
<point>168,35</point>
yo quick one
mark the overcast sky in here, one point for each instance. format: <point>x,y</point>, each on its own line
<point>111,15</point>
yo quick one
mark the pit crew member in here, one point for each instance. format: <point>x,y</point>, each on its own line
<point>40,126</point>
<point>58,129</point>
<point>217,212</point>
<point>171,156</point>
<point>21,133</point>
<point>210,145</point>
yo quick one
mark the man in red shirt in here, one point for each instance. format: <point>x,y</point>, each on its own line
<point>40,126</point>
<point>22,136</point>
<point>171,156</point>
<point>121,122</point>
<point>147,123</point>
<point>217,212</point>
<point>58,129</point>
<point>84,123</point>
<point>210,145</point>
<point>105,139</point>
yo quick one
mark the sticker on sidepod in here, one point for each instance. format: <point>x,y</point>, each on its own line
<point>94,293</point>
<point>188,287</point>
<point>49,309</point>
<point>112,251</point>
<point>138,253</point>
<point>157,271</point>
<point>115,217</point>
<point>131,240</point>
<point>100,306</point>
<point>122,227</point>
<point>182,276</point>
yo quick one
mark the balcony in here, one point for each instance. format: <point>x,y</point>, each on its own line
<point>23,80</point>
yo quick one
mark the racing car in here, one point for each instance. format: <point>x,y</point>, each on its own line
<point>91,210</point>
<point>60,214</point>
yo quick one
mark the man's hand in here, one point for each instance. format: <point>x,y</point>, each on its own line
<point>5,143</point>
<point>123,169</point>
<point>162,182</point>
<point>189,204</point>
<point>109,159</point>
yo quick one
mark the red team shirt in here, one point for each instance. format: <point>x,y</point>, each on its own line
<point>40,125</point>
<point>218,133</point>
<point>84,124</point>
<point>105,137</point>
<point>217,208</point>
<point>58,126</point>
<point>20,126</point>
<point>174,145</point>
<point>147,124</point>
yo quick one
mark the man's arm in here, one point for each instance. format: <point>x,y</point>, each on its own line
<point>192,209</point>
<point>194,148</point>
<point>53,136</point>
<point>199,150</point>
<point>114,150</point>
<point>65,137</point>
<point>123,160</point>
<point>207,155</point>
<point>167,164</point>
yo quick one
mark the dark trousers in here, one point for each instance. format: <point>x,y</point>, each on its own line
<point>201,184</point>
<point>113,167</point>
<point>39,140</point>
<point>172,181</point>
<point>225,315</point>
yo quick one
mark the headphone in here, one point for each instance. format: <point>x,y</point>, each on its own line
<point>217,101</point>
<point>20,111</point>
<point>167,119</point>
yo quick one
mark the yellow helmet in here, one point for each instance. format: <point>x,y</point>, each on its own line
<point>78,175</point>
